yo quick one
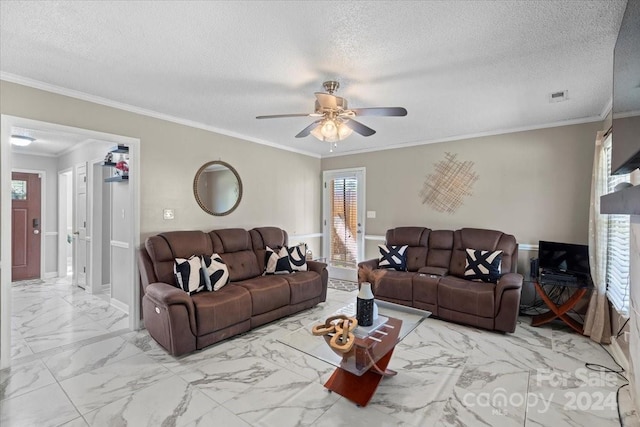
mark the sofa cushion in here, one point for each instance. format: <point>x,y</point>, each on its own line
<point>465,296</point>
<point>485,240</point>
<point>217,310</point>
<point>483,265</point>
<point>304,285</point>
<point>267,293</point>
<point>216,273</point>
<point>165,247</point>
<point>395,285</point>
<point>440,248</point>
<point>189,274</point>
<point>393,257</point>
<point>417,238</point>
<point>234,247</point>
<point>297,257</point>
<point>261,237</point>
<point>277,262</point>
<point>425,288</point>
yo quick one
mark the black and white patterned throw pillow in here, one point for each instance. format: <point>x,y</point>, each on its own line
<point>277,262</point>
<point>393,257</point>
<point>483,265</point>
<point>297,257</point>
<point>189,274</point>
<point>216,273</point>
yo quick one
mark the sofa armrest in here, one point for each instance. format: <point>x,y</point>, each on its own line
<point>316,266</point>
<point>167,295</point>
<point>506,282</point>
<point>371,263</point>
<point>180,315</point>
<point>321,269</point>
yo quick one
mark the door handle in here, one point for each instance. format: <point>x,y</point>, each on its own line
<point>77,233</point>
<point>36,231</point>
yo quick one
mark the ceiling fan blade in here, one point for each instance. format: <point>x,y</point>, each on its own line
<point>326,100</point>
<point>380,111</point>
<point>306,131</point>
<point>359,127</point>
<point>278,116</point>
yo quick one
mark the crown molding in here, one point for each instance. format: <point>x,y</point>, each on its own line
<point>36,84</point>
<point>561,123</point>
<point>53,156</point>
<point>607,108</point>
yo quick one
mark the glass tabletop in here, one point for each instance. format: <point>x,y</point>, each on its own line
<point>371,344</point>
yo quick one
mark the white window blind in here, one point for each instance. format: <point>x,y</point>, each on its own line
<point>344,214</point>
<point>618,245</point>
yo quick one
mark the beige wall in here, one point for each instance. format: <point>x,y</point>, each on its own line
<point>533,184</point>
<point>281,188</point>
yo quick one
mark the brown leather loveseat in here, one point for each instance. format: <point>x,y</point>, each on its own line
<point>182,323</point>
<point>435,277</point>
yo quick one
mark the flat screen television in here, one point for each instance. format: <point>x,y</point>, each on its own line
<point>625,148</point>
<point>567,258</point>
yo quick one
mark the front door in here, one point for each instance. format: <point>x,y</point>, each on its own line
<point>25,226</point>
<point>80,227</point>
<point>343,222</point>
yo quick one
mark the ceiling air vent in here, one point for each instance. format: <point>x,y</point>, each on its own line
<point>559,96</point>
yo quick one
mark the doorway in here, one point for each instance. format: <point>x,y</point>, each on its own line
<point>26,218</point>
<point>65,223</point>
<point>129,207</point>
<point>343,221</point>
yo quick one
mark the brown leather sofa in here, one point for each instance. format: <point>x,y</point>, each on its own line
<point>435,279</point>
<point>182,323</point>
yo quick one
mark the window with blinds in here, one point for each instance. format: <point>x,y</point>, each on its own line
<point>619,229</point>
<point>344,220</point>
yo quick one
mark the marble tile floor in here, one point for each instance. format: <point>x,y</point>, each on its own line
<point>76,364</point>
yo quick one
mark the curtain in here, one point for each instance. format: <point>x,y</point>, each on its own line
<point>597,322</point>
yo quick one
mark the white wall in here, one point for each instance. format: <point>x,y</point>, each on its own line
<point>49,209</point>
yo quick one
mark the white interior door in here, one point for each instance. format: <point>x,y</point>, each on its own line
<point>80,227</point>
<point>343,221</point>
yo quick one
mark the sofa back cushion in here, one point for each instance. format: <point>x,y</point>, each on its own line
<point>440,248</point>
<point>234,247</point>
<point>485,240</point>
<point>261,237</point>
<point>417,238</point>
<point>165,247</point>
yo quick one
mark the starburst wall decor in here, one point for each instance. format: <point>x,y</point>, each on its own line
<point>445,189</point>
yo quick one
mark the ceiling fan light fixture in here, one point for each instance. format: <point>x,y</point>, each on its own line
<point>344,131</point>
<point>21,140</point>
<point>332,130</point>
<point>329,129</point>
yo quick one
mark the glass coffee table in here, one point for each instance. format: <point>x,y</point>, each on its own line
<point>359,371</point>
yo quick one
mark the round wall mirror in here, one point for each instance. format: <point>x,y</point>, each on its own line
<point>217,188</point>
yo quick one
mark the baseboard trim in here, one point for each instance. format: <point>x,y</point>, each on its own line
<point>618,354</point>
<point>50,275</point>
<point>120,305</point>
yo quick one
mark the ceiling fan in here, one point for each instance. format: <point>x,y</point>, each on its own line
<point>335,120</point>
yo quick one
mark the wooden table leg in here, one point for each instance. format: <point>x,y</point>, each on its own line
<point>360,389</point>
<point>558,311</point>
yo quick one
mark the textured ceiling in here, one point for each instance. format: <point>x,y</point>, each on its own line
<point>48,141</point>
<point>460,68</point>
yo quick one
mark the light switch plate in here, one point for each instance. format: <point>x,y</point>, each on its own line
<point>168,214</point>
<point>371,214</point>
